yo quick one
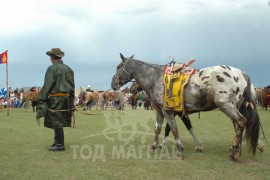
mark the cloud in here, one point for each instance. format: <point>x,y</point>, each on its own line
<point>93,33</point>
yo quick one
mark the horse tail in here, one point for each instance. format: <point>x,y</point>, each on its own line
<point>249,111</point>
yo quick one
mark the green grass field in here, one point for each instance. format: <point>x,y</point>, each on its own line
<point>113,145</point>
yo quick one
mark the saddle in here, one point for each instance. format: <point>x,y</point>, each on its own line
<point>175,78</point>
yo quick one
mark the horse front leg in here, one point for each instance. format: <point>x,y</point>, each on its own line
<point>199,145</point>
<point>159,122</point>
<point>25,105</point>
<point>172,123</point>
<point>187,122</point>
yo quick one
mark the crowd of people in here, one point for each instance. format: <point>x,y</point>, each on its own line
<point>14,97</point>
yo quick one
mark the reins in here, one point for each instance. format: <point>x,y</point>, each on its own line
<point>76,109</point>
<point>130,80</point>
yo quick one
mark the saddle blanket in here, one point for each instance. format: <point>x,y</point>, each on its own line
<point>174,88</point>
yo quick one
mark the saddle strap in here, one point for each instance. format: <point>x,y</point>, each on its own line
<point>58,94</point>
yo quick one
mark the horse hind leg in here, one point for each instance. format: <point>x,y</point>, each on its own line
<point>239,122</point>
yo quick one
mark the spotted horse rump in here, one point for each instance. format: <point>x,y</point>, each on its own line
<point>217,86</point>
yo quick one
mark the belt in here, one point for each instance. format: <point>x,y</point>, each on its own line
<point>58,94</point>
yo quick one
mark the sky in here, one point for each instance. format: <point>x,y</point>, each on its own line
<point>93,33</point>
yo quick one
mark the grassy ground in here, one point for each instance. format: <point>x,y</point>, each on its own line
<point>113,145</point>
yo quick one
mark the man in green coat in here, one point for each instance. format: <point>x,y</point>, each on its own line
<point>56,98</point>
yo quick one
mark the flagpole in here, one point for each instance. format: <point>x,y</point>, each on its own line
<point>7,86</point>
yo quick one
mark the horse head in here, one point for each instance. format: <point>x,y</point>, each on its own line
<point>123,73</point>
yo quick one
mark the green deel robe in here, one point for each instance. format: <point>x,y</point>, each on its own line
<point>59,78</point>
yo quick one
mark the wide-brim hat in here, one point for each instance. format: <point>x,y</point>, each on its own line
<point>56,51</point>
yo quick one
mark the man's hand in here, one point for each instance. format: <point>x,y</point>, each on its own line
<point>38,115</point>
<point>38,122</point>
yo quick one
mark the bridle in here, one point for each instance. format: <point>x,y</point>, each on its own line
<point>118,82</point>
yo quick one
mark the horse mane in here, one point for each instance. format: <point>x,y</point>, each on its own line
<point>156,66</point>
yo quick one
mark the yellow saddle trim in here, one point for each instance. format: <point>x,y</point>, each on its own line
<point>174,100</point>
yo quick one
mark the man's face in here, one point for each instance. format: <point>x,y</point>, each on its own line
<point>51,59</point>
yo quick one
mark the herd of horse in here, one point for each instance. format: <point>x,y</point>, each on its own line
<point>117,99</point>
<point>88,99</point>
<point>113,99</point>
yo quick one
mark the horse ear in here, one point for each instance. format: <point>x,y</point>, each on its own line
<point>122,57</point>
<point>131,57</point>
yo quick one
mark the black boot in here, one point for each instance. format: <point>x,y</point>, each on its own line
<point>55,138</point>
<point>61,136</point>
<point>58,144</point>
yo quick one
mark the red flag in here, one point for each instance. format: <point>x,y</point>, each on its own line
<point>3,57</point>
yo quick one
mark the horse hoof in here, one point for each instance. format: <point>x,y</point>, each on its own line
<point>151,151</point>
<point>180,154</point>
<point>260,146</point>
<point>160,146</point>
<point>234,155</point>
<point>261,149</point>
<point>233,158</point>
<point>198,150</point>
<point>180,157</point>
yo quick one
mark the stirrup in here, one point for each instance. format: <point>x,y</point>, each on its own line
<point>170,103</point>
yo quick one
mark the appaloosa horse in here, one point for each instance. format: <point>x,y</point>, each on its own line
<point>223,87</point>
